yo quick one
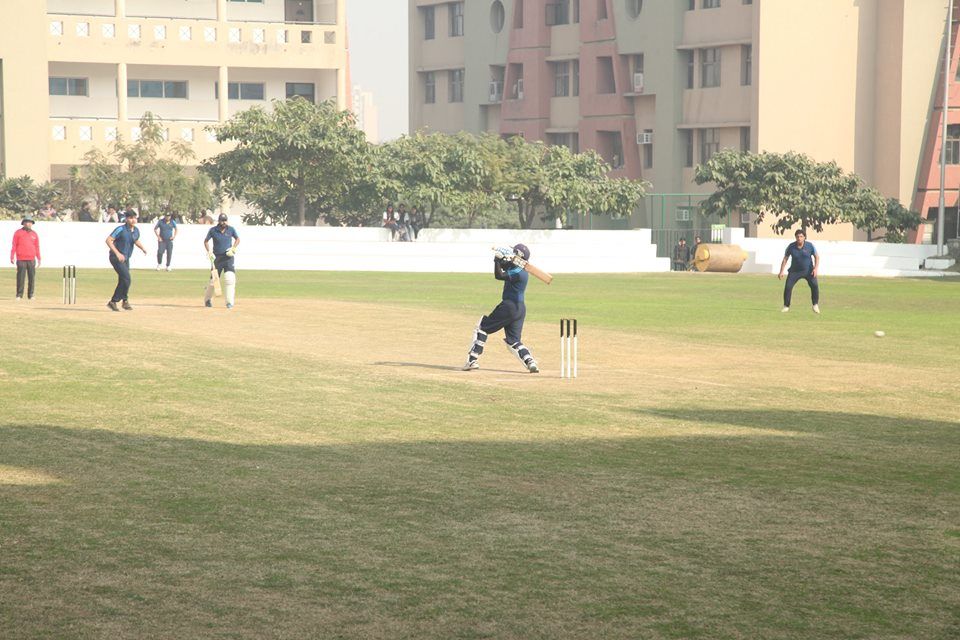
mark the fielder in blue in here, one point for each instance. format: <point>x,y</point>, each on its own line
<point>166,231</point>
<point>509,314</point>
<point>225,241</point>
<point>121,241</point>
<point>804,263</point>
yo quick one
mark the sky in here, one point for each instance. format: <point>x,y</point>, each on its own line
<point>378,58</point>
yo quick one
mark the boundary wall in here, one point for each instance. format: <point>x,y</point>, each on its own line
<point>451,250</point>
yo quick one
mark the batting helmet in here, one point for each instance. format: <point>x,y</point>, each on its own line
<point>522,251</point>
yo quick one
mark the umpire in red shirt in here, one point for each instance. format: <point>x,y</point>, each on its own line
<point>26,254</point>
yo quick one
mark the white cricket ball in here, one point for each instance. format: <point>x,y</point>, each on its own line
<point>879,334</point>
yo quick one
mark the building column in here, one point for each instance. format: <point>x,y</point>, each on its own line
<point>223,108</point>
<point>121,90</point>
<point>341,88</point>
<point>221,10</point>
<point>120,8</point>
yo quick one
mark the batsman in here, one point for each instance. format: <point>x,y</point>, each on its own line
<point>510,313</point>
<point>225,241</point>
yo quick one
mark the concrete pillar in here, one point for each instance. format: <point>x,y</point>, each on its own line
<point>121,90</point>
<point>120,9</point>
<point>341,88</point>
<point>223,109</point>
<point>222,10</point>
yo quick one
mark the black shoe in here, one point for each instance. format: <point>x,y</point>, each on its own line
<point>126,305</point>
<point>113,306</point>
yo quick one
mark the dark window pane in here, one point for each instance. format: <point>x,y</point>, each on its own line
<point>151,89</point>
<point>233,90</point>
<point>77,87</point>
<point>175,89</point>
<point>251,91</point>
<point>133,88</point>
<point>58,86</point>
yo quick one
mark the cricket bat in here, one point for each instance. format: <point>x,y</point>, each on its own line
<point>532,270</point>
<point>215,277</point>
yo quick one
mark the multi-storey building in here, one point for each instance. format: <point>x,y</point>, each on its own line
<point>366,113</point>
<point>657,87</point>
<point>75,74</point>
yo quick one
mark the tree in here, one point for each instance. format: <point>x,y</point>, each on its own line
<point>22,195</point>
<point>795,190</point>
<point>298,157</point>
<point>149,172</point>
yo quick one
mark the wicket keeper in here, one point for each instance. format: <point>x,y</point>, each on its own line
<point>225,241</point>
<point>509,314</point>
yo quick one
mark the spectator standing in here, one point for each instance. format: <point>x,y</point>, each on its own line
<point>85,215</point>
<point>404,224</point>
<point>417,220</point>
<point>681,255</point>
<point>166,231</point>
<point>25,253</point>
<point>121,241</point>
<point>206,218</point>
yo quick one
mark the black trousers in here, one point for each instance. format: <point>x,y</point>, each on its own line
<point>123,279</point>
<point>164,246</point>
<point>26,270</point>
<point>509,316</point>
<point>793,277</point>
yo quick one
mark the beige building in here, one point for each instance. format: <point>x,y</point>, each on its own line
<point>366,113</point>
<point>658,87</point>
<point>78,74</point>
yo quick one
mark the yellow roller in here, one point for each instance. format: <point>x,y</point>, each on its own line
<point>719,258</point>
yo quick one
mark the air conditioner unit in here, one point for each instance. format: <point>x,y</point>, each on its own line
<point>645,137</point>
<point>683,214</point>
<point>638,83</point>
<point>495,91</point>
<point>744,218</point>
<point>518,89</point>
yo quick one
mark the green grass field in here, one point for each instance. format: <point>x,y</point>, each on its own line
<point>313,463</point>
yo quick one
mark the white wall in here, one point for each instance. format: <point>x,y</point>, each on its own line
<point>360,249</point>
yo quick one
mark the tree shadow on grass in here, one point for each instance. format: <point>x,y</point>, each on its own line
<point>154,536</point>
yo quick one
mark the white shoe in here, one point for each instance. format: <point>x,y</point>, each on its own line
<point>159,267</point>
<point>816,308</point>
<point>785,309</point>
<point>471,365</point>
<point>169,268</point>
<point>532,366</point>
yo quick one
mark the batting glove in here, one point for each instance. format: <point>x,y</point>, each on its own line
<point>231,251</point>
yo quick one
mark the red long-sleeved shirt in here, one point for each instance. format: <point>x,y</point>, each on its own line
<point>26,245</point>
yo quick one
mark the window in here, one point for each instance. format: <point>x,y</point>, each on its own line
<point>746,65</point>
<point>576,11</point>
<point>744,139</point>
<point>691,5</point>
<point>569,140</point>
<point>634,7</point>
<point>690,68</point>
<point>429,87</point>
<point>747,1</point>
<point>953,144</point>
<point>711,4</point>
<point>617,159</point>
<point>456,19</point>
<point>601,9</point>
<point>709,144</point>
<point>429,23</point>
<point>68,86</point>
<point>576,77</point>
<point>558,12</point>
<point>156,89</point>
<point>498,16</point>
<point>648,152</point>
<point>605,79</point>
<point>518,15</point>
<point>561,79</point>
<point>710,67</point>
<point>516,75</point>
<point>456,85</point>
<point>305,90</point>
<point>241,90</point>
<point>686,138</point>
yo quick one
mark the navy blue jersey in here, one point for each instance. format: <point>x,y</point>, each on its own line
<point>801,258</point>
<point>124,239</point>
<point>514,284</point>
<point>166,228</point>
<point>222,240</point>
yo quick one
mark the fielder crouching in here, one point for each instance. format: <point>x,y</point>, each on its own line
<point>225,241</point>
<point>509,314</point>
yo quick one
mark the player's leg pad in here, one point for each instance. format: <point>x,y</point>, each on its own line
<point>520,351</point>
<point>479,340</point>
<point>229,286</point>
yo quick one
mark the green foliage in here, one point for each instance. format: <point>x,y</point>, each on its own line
<point>296,163</point>
<point>148,172</point>
<point>19,196</point>
<point>796,190</point>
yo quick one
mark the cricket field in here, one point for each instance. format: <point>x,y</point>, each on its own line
<point>314,464</point>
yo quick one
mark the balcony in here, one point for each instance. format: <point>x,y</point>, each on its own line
<point>106,39</point>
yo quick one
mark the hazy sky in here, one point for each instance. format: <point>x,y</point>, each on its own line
<point>378,58</point>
